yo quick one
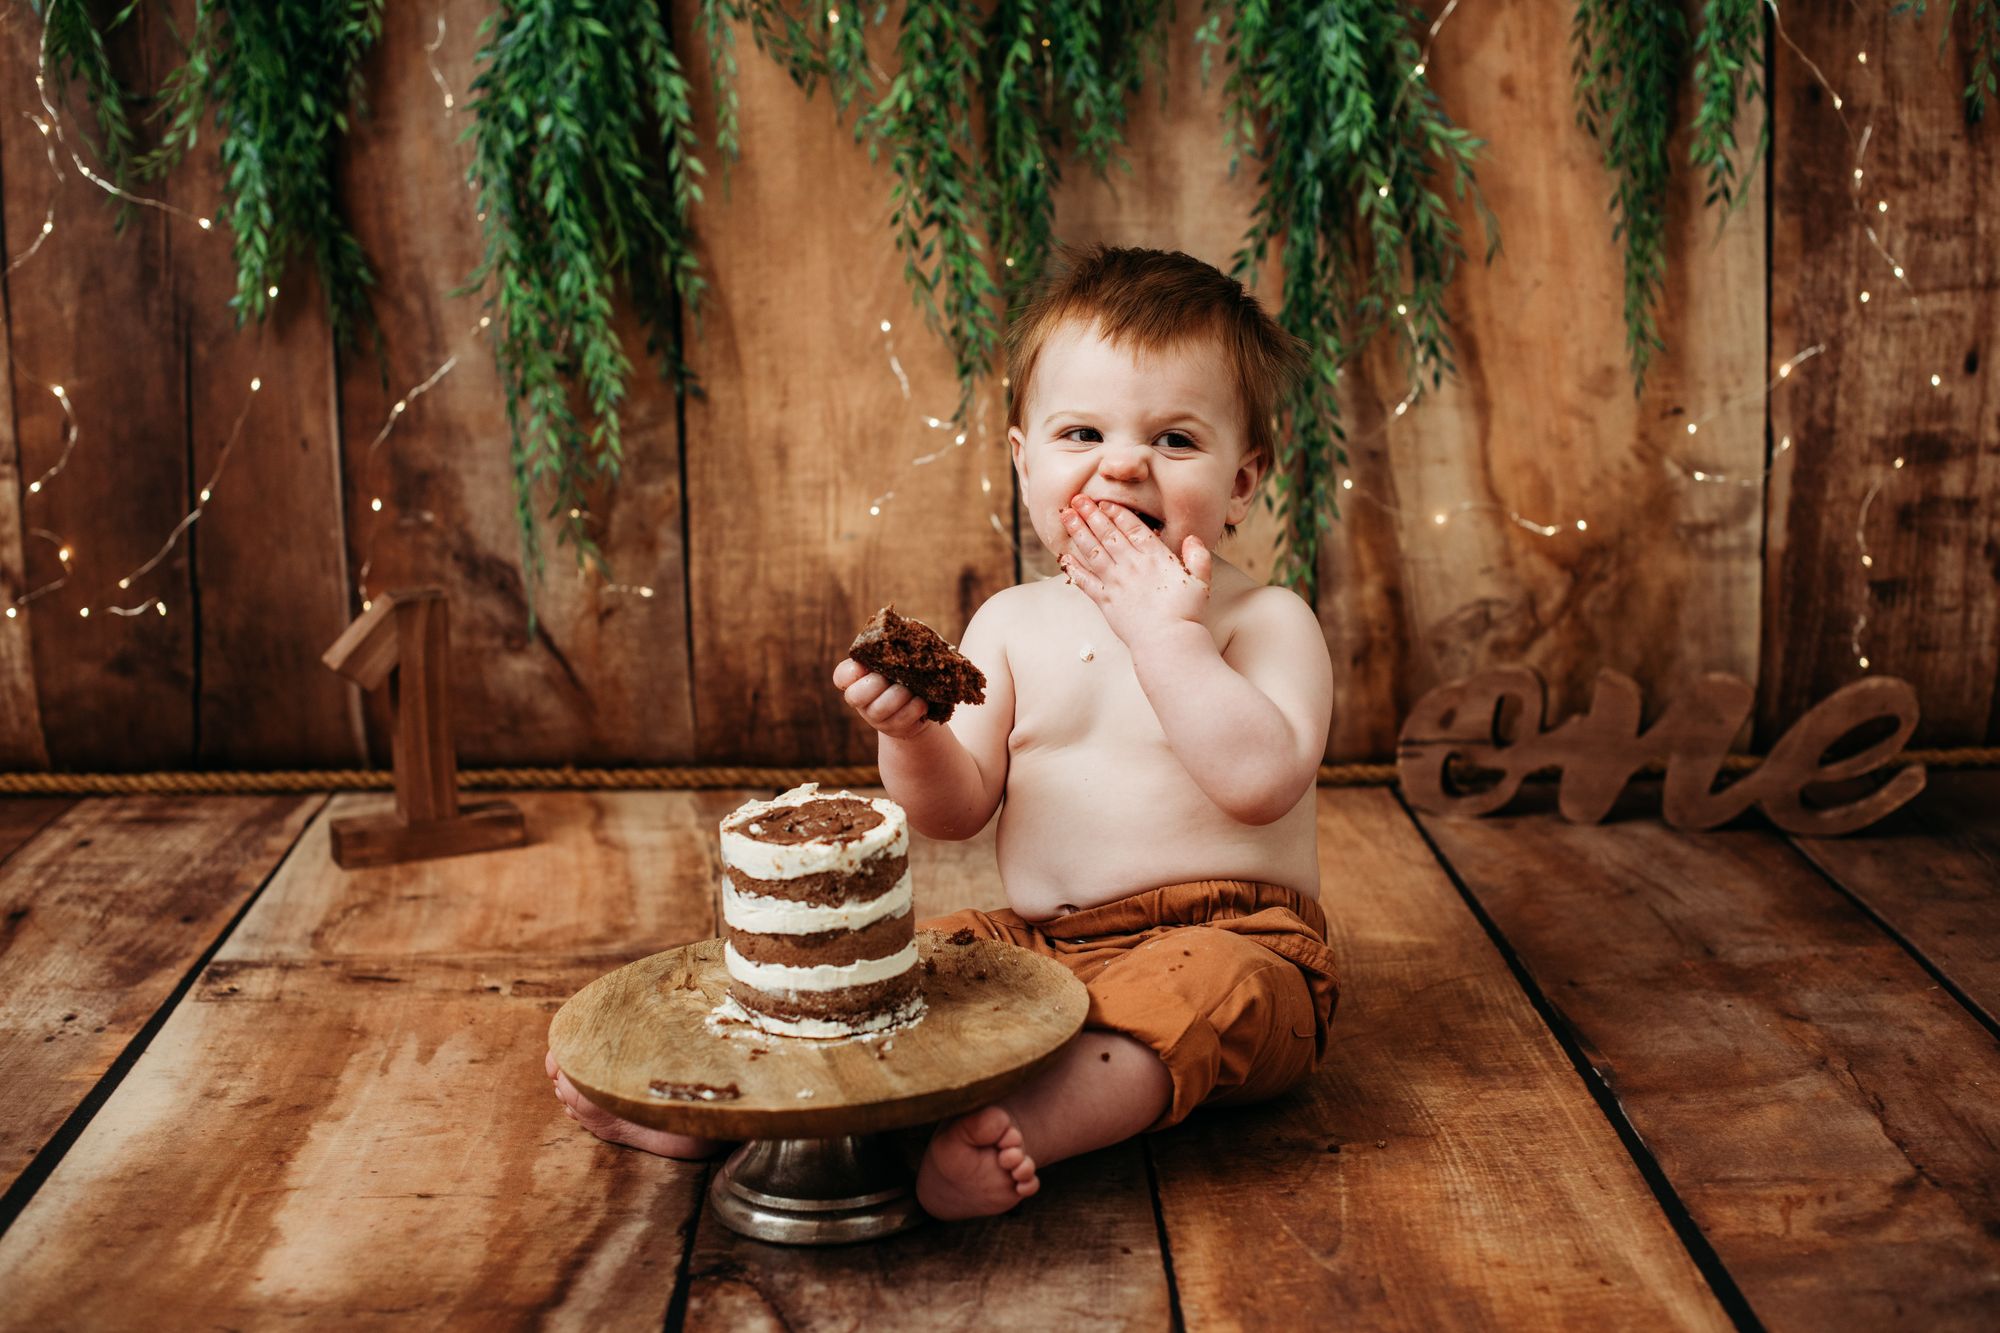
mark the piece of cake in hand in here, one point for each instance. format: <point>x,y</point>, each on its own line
<point>918,658</point>
<point>820,936</point>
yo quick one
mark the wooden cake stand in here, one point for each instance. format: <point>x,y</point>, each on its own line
<point>644,1043</point>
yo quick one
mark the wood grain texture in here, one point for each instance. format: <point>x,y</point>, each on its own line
<point>1931,599</point>
<point>21,743</point>
<point>1174,192</point>
<point>1443,1168</point>
<point>1932,872</point>
<point>348,1119</point>
<point>605,675</point>
<point>95,312</point>
<point>803,425</point>
<point>22,817</point>
<point>1822,1108</point>
<point>354,1142</point>
<point>1083,1253</point>
<point>101,917</point>
<point>1542,421</point>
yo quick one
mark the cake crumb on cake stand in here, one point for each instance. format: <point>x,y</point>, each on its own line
<point>644,1042</point>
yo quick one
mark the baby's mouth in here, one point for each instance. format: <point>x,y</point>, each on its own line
<point>1156,524</point>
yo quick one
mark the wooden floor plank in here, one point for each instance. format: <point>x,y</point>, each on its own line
<point>101,916</point>
<point>1932,872</point>
<point>1444,1168</point>
<point>1825,1111</point>
<point>1083,1253</point>
<point>348,1118</point>
<point>22,817</point>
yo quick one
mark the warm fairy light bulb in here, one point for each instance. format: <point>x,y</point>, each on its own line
<point>1837,103</point>
<point>256,383</point>
<point>203,223</point>
<point>1868,562</point>
<point>932,422</point>
<point>833,16</point>
<point>34,488</point>
<point>124,583</point>
<point>205,493</point>
<point>47,226</point>
<point>875,511</point>
<point>1699,475</point>
<point>1899,270</point>
<point>1882,206</point>
<point>1347,483</point>
<point>1438,519</point>
<point>1402,309</point>
<point>11,613</point>
<point>485,320</point>
<point>1009,261</point>
<point>272,291</point>
<point>1936,381</point>
<point>447,101</point>
<point>886,326</point>
<point>1402,407</point>
<point>576,513</point>
<point>960,437</point>
<point>1382,190</point>
<point>1582,526</point>
<point>1693,427</point>
<point>375,505</point>
<point>985,486</point>
<point>57,390</point>
<point>1864,298</point>
<point>1418,71</point>
<point>402,406</point>
<point>1784,370</point>
<point>1784,444</point>
<point>1861,56</point>
<point>63,555</point>
<point>1857,173</point>
<point>85,613</point>
<point>161,607</point>
<point>1898,465</point>
<point>645,592</point>
<point>367,605</point>
<point>1005,382</point>
<point>1864,664</point>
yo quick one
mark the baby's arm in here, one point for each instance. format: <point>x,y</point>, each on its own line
<point>1248,723</point>
<point>947,777</point>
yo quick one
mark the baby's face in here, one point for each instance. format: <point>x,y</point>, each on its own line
<point>1161,433</point>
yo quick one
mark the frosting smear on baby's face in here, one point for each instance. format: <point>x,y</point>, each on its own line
<point>1160,433</point>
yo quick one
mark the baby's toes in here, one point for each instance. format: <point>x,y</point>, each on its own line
<point>1023,1170</point>
<point>1011,1139</point>
<point>1011,1158</point>
<point>1026,1187</point>
<point>550,1066</point>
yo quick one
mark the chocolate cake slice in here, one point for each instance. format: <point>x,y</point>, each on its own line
<point>916,657</point>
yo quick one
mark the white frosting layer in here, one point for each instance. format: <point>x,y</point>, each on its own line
<point>763,915</point>
<point>904,1014</point>
<point>778,977</point>
<point>765,860</point>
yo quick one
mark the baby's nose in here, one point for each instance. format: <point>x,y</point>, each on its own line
<point>1124,462</point>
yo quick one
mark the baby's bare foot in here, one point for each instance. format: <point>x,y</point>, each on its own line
<point>612,1129</point>
<point>976,1167</point>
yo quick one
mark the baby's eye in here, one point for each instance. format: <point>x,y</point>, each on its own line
<point>1174,439</point>
<point>1091,430</point>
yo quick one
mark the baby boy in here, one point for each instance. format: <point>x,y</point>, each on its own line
<point>1152,729</point>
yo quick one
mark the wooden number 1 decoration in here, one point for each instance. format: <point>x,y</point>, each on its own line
<point>404,638</point>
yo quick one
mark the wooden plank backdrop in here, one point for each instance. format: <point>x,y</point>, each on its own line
<point>747,508</point>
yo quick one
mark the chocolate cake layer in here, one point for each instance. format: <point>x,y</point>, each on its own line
<point>826,819</point>
<point>831,888</point>
<point>921,660</point>
<point>837,948</point>
<point>849,1003</point>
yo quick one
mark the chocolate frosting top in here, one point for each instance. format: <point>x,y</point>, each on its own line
<point>832,820</point>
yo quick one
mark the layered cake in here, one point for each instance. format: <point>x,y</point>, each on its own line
<point>819,932</point>
<point>919,659</point>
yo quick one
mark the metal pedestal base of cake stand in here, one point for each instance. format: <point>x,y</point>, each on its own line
<point>815,1191</point>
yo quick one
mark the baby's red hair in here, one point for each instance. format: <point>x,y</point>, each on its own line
<point>1155,300</point>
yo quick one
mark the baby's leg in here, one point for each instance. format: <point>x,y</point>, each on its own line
<point>1104,1088</point>
<point>614,1130</point>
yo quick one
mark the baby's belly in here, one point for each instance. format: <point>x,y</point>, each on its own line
<point>1088,824</point>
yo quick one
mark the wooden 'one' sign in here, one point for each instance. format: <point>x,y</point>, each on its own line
<point>1599,750</point>
<point>404,639</point>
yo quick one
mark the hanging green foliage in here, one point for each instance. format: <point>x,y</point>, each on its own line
<point>584,159</point>
<point>1983,42</point>
<point>1352,147</point>
<point>281,76</point>
<point>73,49</point>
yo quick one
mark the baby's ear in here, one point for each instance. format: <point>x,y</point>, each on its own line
<point>1017,445</point>
<point>1243,488</point>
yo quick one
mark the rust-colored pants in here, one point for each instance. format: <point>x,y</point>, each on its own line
<point>1229,982</point>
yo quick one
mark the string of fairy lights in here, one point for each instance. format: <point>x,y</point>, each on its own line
<point>1699,474</point>
<point>50,124</point>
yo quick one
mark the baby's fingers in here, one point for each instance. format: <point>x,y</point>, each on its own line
<point>847,673</point>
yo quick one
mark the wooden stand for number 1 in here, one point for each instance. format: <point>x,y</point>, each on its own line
<point>404,638</point>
